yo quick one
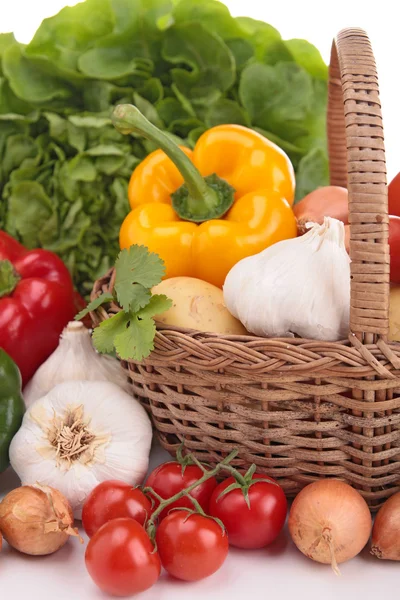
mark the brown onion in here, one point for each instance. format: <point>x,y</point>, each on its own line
<point>329,201</point>
<point>36,519</point>
<point>386,531</point>
<point>330,522</point>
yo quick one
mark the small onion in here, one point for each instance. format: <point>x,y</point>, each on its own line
<point>386,531</point>
<point>330,522</point>
<point>36,520</point>
<point>329,201</point>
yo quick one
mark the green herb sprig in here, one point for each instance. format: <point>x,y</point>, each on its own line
<point>130,332</point>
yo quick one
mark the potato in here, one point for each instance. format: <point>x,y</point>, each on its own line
<point>197,305</point>
<point>394,313</point>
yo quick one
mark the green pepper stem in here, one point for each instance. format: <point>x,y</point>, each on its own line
<point>200,198</point>
<point>9,278</point>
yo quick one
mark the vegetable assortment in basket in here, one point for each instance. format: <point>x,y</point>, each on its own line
<point>298,408</point>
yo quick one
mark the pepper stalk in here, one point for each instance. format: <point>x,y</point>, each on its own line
<point>199,198</point>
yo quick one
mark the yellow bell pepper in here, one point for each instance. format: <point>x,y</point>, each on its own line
<point>204,210</point>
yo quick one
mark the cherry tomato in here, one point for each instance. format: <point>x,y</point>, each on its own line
<point>191,546</point>
<point>253,527</point>
<point>394,196</point>
<point>111,500</point>
<point>170,478</point>
<point>121,560</point>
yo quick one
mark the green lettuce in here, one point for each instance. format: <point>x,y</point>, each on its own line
<point>187,64</point>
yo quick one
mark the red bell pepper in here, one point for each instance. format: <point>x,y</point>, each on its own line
<point>36,302</point>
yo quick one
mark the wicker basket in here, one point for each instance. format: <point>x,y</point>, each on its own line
<point>300,409</point>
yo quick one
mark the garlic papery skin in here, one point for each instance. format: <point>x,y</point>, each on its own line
<point>299,286</point>
<point>74,359</point>
<point>80,434</point>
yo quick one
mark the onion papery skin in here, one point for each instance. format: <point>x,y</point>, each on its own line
<point>386,530</point>
<point>330,522</point>
<point>36,520</point>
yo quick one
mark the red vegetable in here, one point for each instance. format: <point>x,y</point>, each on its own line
<point>394,196</point>
<point>330,201</point>
<point>121,559</point>
<point>36,302</point>
<point>112,500</point>
<point>251,526</point>
<point>191,546</point>
<point>170,478</point>
<point>394,244</point>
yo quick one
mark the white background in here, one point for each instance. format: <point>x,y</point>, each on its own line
<point>279,571</point>
<point>317,21</point>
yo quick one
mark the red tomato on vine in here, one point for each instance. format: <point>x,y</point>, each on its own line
<point>170,478</point>
<point>191,546</point>
<point>121,560</point>
<point>253,515</point>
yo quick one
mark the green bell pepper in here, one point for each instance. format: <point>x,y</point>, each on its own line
<point>12,405</point>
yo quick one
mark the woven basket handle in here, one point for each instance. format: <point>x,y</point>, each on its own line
<point>357,161</point>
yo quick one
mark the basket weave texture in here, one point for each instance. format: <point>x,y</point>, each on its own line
<point>299,409</point>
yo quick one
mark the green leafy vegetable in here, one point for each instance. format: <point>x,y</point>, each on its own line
<point>131,331</point>
<point>94,304</point>
<point>136,341</point>
<point>312,168</point>
<point>104,334</point>
<point>136,265</point>
<point>210,60</point>
<point>187,64</point>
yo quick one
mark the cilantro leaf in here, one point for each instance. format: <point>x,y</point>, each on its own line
<point>137,340</point>
<point>141,297</point>
<point>136,265</point>
<point>102,299</point>
<point>104,334</point>
<point>158,304</point>
<point>131,332</point>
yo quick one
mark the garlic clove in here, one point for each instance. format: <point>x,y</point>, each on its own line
<point>74,359</point>
<point>299,286</point>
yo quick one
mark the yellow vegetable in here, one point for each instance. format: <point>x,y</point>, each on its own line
<point>197,304</point>
<point>394,314</point>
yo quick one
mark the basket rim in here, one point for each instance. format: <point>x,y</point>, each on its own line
<point>377,358</point>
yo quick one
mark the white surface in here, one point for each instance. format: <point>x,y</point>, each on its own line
<point>279,571</point>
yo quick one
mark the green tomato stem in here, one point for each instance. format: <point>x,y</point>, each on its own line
<point>196,505</point>
<point>235,473</point>
<point>200,198</point>
<point>186,492</point>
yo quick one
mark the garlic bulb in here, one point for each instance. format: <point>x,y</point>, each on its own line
<point>298,286</point>
<point>74,359</point>
<point>80,434</point>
